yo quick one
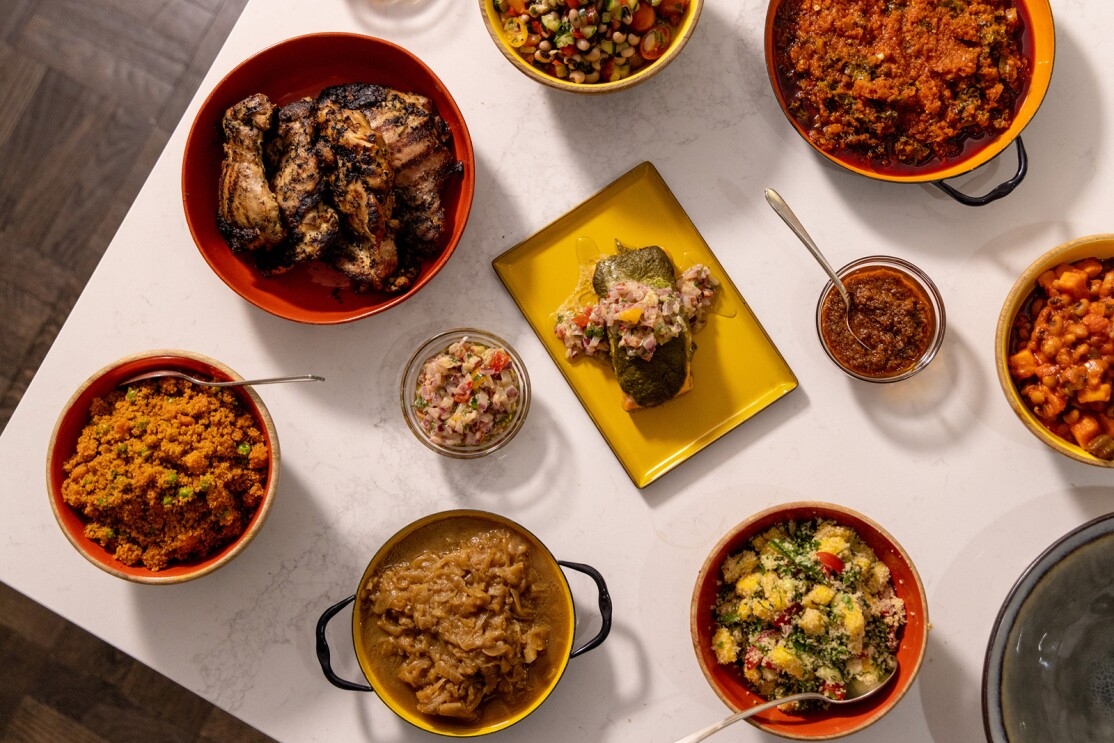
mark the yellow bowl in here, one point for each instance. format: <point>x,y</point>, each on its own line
<point>684,33</point>
<point>1092,246</point>
<point>1039,47</point>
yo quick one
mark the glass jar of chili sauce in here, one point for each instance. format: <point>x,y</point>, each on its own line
<point>896,312</point>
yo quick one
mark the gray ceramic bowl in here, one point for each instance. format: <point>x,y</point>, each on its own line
<point>1049,670</point>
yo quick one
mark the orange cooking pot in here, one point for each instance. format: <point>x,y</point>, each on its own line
<point>1038,44</point>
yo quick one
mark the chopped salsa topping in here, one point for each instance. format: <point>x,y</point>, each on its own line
<point>466,395</point>
<point>644,316</point>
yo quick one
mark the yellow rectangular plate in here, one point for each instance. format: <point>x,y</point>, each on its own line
<point>737,370</point>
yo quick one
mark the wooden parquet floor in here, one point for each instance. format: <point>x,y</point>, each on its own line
<point>90,91</point>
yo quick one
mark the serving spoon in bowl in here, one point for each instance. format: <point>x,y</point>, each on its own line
<point>856,692</point>
<point>210,383</point>
<point>783,211</point>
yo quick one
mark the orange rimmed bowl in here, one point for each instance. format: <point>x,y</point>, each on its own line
<point>303,66</point>
<point>76,414</point>
<point>440,533</point>
<point>838,720</point>
<point>1038,45</point>
<point>1092,246</point>
<point>680,38</point>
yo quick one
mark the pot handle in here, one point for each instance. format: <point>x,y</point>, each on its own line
<point>323,654</point>
<point>604,604</point>
<point>1002,189</point>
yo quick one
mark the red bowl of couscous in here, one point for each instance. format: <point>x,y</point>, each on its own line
<point>162,481</point>
<point>847,560</point>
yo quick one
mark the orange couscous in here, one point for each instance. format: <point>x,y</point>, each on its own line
<point>167,471</point>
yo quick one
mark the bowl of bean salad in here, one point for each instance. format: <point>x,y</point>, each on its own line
<point>590,46</point>
<point>1054,349</point>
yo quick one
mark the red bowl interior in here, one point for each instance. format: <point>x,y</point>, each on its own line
<point>838,720</point>
<point>285,72</point>
<point>75,416</point>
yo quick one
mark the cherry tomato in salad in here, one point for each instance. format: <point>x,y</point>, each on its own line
<point>830,562</point>
<point>672,7</point>
<point>499,360</point>
<point>655,42</point>
<point>581,318</point>
<point>786,616</point>
<point>643,18</point>
<point>516,31</point>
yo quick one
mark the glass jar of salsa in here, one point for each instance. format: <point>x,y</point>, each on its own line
<point>897,312</point>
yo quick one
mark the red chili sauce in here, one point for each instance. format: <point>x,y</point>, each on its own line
<point>902,85</point>
<point>892,314</point>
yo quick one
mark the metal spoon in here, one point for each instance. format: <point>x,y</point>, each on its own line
<point>209,383</point>
<point>853,695</point>
<point>783,211</point>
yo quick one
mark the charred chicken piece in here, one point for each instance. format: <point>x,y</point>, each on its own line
<point>418,141</point>
<point>298,184</point>
<point>361,183</point>
<point>247,211</point>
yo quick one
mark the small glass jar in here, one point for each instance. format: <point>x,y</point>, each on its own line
<point>896,310</point>
<point>475,437</point>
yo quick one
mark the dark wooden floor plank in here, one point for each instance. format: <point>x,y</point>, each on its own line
<point>22,661</point>
<point>35,722</point>
<point>32,623</point>
<point>19,78</point>
<point>96,182</point>
<point>46,147</point>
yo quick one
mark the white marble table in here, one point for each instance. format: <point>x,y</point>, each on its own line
<point>940,460</point>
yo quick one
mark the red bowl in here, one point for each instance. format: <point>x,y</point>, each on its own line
<point>298,67</point>
<point>75,415</point>
<point>837,720</point>
<point>1039,46</point>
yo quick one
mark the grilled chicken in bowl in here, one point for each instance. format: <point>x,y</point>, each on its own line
<point>328,177</point>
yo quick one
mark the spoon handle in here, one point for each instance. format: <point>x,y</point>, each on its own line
<point>210,383</point>
<point>783,211</point>
<point>270,380</point>
<point>716,727</point>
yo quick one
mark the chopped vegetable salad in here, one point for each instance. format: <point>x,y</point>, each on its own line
<point>590,41</point>
<point>807,606</point>
<point>466,395</point>
<point>644,316</point>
